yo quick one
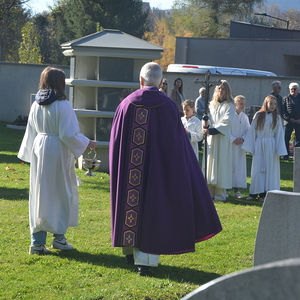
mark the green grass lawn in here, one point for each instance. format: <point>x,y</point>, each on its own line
<point>95,270</point>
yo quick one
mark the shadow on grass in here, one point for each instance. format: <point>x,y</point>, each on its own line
<point>173,273</point>
<point>97,186</point>
<point>235,201</point>
<point>14,194</point>
<point>9,159</point>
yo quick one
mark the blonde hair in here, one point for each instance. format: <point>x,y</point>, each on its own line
<point>239,98</point>
<point>188,102</point>
<point>227,97</point>
<point>261,114</point>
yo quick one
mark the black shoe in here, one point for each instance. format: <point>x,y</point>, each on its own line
<point>145,271</point>
<point>129,259</point>
<point>286,157</point>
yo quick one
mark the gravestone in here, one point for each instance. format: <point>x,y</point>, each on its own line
<point>297,169</point>
<point>278,234</point>
<point>274,281</point>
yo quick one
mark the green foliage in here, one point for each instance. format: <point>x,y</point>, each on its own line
<point>95,270</point>
<point>29,50</point>
<point>74,19</point>
<point>210,18</point>
<point>12,18</point>
<point>68,20</point>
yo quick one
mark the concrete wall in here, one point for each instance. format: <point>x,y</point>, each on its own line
<point>244,30</point>
<point>17,83</point>
<point>255,89</point>
<point>278,56</point>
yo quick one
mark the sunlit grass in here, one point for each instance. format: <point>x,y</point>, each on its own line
<point>95,270</point>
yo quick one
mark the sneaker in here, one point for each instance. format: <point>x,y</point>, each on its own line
<point>238,195</point>
<point>261,199</point>
<point>250,198</point>
<point>38,249</point>
<point>61,243</point>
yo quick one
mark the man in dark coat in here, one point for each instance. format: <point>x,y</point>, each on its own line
<point>276,89</point>
<point>160,203</point>
<point>291,115</point>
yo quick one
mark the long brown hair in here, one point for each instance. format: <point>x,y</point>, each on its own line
<point>54,79</point>
<point>261,114</point>
<point>180,90</point>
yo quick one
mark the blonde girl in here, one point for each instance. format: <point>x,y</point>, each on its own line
<point>265,141</point>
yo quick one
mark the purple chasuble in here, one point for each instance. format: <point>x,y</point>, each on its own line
<point>160,202</point>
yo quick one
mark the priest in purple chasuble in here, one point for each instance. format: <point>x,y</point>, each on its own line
<point>160,203</point>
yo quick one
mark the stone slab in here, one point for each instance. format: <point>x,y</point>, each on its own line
<point>274,281</point>
<point>16,127</point>
<point>297,169</point>
<point>278,234</point>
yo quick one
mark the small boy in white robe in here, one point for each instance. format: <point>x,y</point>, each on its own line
<point>192,125</point>
<point>239,127</point>
<point>265,141</point>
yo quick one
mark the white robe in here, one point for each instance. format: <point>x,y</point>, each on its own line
<point>194,126</point>
<point>51,141</point>
<point>219,146</point>
<point>239,127</point>
<point>266,146</point>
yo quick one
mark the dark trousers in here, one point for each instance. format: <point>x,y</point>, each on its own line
<point>289,127</point>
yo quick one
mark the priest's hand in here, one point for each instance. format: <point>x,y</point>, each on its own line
<point>92,144</point>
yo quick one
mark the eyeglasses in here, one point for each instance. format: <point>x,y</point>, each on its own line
<point>279,87</point>
<point>164,83</point>
<point>293,89</point>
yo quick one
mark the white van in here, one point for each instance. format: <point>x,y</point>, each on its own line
<point>201,69</point>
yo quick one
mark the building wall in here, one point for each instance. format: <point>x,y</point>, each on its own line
<point>278,56</point>
<point>17,83</point>
<point>244,30</point>
<point>254,88</point>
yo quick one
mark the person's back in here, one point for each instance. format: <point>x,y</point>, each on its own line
<point>200,103</point>
<point>152,167</point>
<point>51,141</point>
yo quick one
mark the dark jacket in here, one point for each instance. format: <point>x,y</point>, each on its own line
<point>279,101</point>
<point>289,109</point>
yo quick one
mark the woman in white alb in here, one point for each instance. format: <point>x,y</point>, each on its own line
<point>219,147</point>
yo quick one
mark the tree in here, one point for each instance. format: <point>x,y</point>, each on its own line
<point>216,14</point>
<point>12,18</point>
<point>125,15</point>
<point>73,19</point>
<point>29,50</point>
<point>294,18</point>
<point>163,34</point>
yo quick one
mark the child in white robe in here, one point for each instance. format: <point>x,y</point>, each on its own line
<point>265,141</point>
<point>51,141</point>
<point>192,125</point>
<point>239,127</point>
